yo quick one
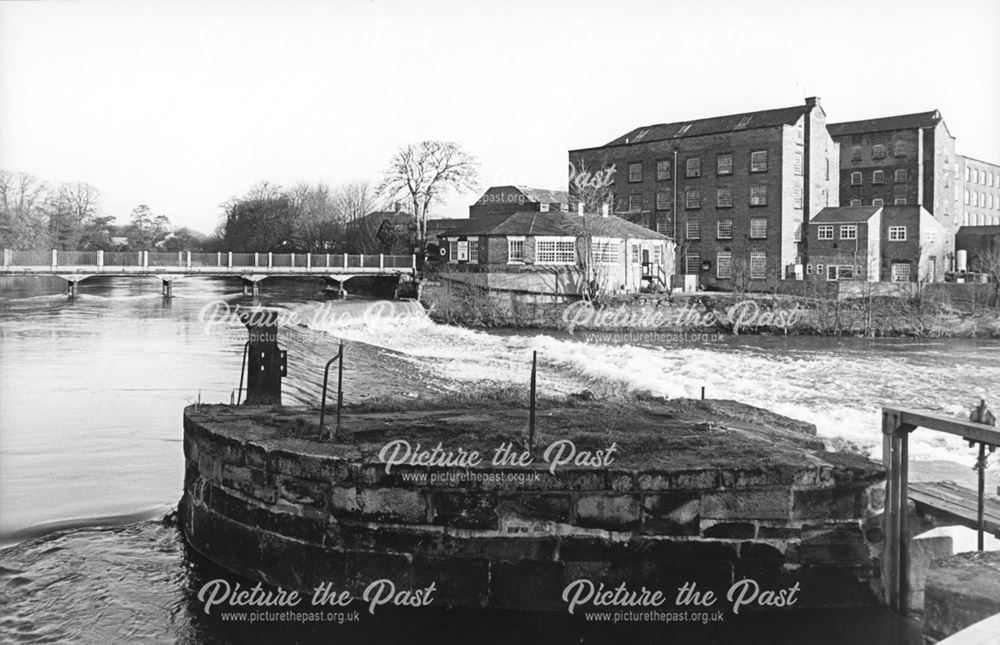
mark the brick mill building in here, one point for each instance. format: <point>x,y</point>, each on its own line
<point>735,192</point>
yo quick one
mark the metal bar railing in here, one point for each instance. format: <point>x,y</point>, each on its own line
<point>531,404</point>
<point>243,367</point>
<point>339,358</point>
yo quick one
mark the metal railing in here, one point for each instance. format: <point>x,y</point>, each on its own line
<point>339,359</point>
<point>184,259</point>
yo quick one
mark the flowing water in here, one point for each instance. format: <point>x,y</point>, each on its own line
<point>92,391</point>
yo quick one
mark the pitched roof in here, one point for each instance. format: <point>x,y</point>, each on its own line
<point>532,223</point>
<point>713,125</point>
<point>900,122</point>
<point>845,214</point>
<point>545,195</point>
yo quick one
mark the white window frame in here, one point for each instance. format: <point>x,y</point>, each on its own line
<point>692,167</point>
<point>463,251</point>
<point>855,202</point>
<point>758,265</point>
<point>692,225</point>
<point>453,251</point>
<point>724,169</point>
<point>695,259</point>
<point>606,250</point>
<point>894,276</point>
<point>897,233</point>
<point>719,201</point>
<point>758,161</point>
<point>878,201</point>
<point>728,255</point>
<point>663,170</point>
<point>878,177</point>
<point>719,235</point>
<point>758,195</point>
<point>899,201</point>
<point>631,206</point>
<point>824,232</point>
<point>878,151</point>
<point>562,248</point>
<point>856,175</point>
<point>848,231</point>
<point>758,228</point>
<point>635,172</point>
<point>899,176</point>
<point>511,241</point>
<point>473,250</point>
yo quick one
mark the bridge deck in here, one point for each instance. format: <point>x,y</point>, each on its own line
<point>953,503</point>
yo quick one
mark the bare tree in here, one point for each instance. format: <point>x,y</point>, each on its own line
<point>70,208</point>
<point>22,222</point>
<point>592,187</point>
<point>353,200</point>
<point>424,173</point>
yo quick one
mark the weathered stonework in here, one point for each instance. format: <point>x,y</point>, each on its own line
<point>294,512</point>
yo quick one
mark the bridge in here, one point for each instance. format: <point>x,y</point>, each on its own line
<point>76,266</point>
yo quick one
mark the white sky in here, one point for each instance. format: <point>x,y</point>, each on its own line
<point>181,105</point>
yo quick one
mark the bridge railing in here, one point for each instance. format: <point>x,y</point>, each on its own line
<point>161,259</point>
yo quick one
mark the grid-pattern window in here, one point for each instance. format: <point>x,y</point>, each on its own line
<point>693,230</point>
<point>635,172</point>
<point>452,250</point>
<point>605,251</point>
<point>515,249</point>
<point>797,162</point>
<point>758,265</point>
<point>856,153</point>
<point>849,232</point>
<point>897,233</point>
<point>878,202</point>
<point>758,228</point>
<point>724,264</point>
<point>900,176</point>
<point>855,202</point>
<point>824,232</point>
<point>724,197</point>
<point>878,151</point>
<point>662,200</point>
<point>724,164</point>
<point>855,178</point>
<point>758,195</point>
<point>692,198</point>
<point>797,233</point>
<point>724,229</point>
<point>633,253</point>
<point>474,250</point>
<point>657,254</point>
<point>878,177</point>
<point>635,202</point>
<point>758,161</point>
<point>797,197</point>
<point>555,251</point>
<point>663,170</point>
<point>899,201</point>
<point>900,272</point>
<point>899,149</point>
<point>693,167</point>
<point>692,263</point>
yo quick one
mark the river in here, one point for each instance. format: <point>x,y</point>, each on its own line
<point>92,391</point>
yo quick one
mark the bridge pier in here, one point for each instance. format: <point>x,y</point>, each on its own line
<point>73,281</point>
<point>251,288</point>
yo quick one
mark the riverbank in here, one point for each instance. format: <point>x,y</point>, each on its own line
<point>935,314</point>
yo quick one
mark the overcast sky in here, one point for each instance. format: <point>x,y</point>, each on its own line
<point>180,105</point>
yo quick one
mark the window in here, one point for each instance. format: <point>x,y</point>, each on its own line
<point>554,251</point>
<point>693,168</point>
<point>635,202</point>
<point>856,153</point>
<point>899,201</point>
<point>849,232</point>
<point>878,202</point>
<point>605,251</point>
<point>819,269</point>
<point>899,149</point>
<point>758,161</point>
<point>758,195</point>
<point>900,176</point>
<point>724,229</point>
<point>855,202</point>
<point>897,233</point>
<point>694,230</point>
<point>662,201</point>
<point>724,265</point>
<point>831,272</point>
<point>474,249</point>
<point>758,265</point>
<point>900,272</point>
<point>845,272</point>
<point>724,197</point>
<point>968,172</point>
<point>855,178</point>
<point>878,151</point>
<point>967,194</point>
<point>658,254</point>
<point>692,198</point>
<point>758,228</point>
<point>797,197</point>
<point>824,233</point>
<point>809,269</point>
<point>797,163</point>
<point>724,164</point>
<point>452,251</point>
<point>663,170</point>
<point>543,208</point>
<point>878,177</point>
<point>633,252</point>
<point>797,233</point>
<point>634,172</point>
<point>515,250</point>
<point>692,263</point>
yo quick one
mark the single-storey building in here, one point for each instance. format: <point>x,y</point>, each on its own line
<point>979,247</point>
<point>559,252</point>
<point>877,244</point>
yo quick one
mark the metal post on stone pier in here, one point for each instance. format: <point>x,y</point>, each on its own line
<point>982,414</point>
<point>531,404</point>
<point>339,358</point>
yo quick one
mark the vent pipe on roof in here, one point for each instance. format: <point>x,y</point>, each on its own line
<point>604,209</point>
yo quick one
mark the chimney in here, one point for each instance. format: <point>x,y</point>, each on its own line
<point>604,209</point>
<point>579,209</point>
<point>812,101</point>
